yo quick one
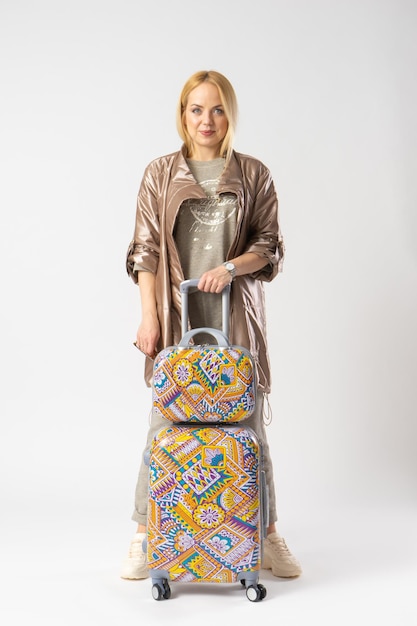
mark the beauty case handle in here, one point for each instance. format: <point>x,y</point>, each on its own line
<point>218,335</point>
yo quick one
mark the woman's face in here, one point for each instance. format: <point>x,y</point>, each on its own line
<point>205,121</point>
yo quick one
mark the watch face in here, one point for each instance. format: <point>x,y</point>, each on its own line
<point>230,268</point>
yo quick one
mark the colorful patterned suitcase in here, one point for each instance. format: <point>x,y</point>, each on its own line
<point>207,495</point>
<point>206,508</point>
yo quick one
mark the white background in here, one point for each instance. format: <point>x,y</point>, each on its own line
<point>327,93</point>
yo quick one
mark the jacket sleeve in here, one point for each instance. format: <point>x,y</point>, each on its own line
<point>265,237</point>
<point>143,250</point>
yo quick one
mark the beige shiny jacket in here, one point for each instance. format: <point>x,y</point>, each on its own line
<point>166,183</point>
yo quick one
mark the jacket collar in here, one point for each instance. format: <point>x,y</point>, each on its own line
<point>185,186</point>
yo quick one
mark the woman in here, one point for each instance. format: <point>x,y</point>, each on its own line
<point>211,213</point>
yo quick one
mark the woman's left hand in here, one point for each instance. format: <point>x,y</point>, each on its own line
<point>215,280</point>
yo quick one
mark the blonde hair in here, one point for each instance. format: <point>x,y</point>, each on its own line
<point>228,100</point>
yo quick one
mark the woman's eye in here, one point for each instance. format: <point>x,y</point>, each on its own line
<point>219,111</point>
<point>196,110</point>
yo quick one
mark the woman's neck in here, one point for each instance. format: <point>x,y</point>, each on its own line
<point>204,155</point>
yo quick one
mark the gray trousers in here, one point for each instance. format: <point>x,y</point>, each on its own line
<point>255,421</point>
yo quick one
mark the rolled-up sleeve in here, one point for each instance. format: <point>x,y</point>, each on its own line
<point>265,237</point>
<point>143,250</point>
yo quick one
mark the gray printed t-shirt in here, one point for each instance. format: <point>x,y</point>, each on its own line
<point>204,231</point>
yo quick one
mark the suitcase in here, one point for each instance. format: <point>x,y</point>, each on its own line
<point>207,494</point>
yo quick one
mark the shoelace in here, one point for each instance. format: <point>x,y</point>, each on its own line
<point>136,551</point>
<point>279,542</point>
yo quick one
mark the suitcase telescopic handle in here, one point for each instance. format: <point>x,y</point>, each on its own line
<point>185,286</point>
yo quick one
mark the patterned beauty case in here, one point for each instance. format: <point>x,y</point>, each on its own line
<point>207,383</point>
<point>205,510</point>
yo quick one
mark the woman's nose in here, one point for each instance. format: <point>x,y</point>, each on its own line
<point>207,118</point>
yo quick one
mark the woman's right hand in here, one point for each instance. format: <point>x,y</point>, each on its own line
<point>147,336</point>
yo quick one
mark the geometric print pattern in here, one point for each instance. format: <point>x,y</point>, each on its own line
<point>204,522</point>
<point>204,384</point>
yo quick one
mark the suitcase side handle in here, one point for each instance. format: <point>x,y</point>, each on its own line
<point>218,335</point>
<point>185,286</point>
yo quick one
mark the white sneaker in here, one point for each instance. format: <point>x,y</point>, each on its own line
<point>135,566</point>
<point>278,558</point>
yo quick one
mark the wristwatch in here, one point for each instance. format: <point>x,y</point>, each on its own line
<point>230,268</point>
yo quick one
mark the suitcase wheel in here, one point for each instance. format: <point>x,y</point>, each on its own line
<point>161,591</point>
<point>255,593</point>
